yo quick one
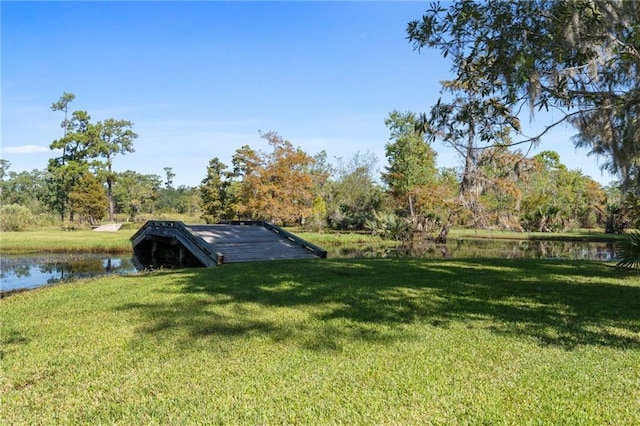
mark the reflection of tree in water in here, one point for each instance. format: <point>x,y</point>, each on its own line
<point>23,272</point>
<point>19,270</point>
<point>19,267</point>
<point>485,248</point>
<point>84,267</point>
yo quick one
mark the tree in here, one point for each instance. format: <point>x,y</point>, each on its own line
<point>56,179</point>
<point>63,105</point>
<point>82,145</point>
<point>412,161</point>
<point>65,171</point>
<point>113,137</point>
<point>168,172</point>
<point>556,198</point>
<point>611,133</point>
<point>503,174</point>
<point>579,57</point>
<point>275,186</point>
<point>355,197</point>
<point>213,192</point>
<point>25,188</point>
<point>88,198</point>
<point>320,171</point>
<point>135,193</point>
<point>5,165</point>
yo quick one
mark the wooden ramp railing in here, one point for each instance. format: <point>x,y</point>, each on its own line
<point>177,244</point>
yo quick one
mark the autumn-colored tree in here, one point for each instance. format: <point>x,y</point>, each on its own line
<point>276,186</point>
<point>501,173</point>
<point>438,202</point>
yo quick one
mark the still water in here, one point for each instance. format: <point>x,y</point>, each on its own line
<point>487,248</point>
<point>25,272</point>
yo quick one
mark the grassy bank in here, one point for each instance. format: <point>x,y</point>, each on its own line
<point>329,342</point>
<point>58,241</point>
<point>575,235</point>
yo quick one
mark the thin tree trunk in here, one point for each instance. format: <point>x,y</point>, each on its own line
<point>411,211</point>
<point>110,196</point>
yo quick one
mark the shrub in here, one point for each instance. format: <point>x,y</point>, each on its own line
<point>14,217</point>
<point>389,226</point>
<point>629,252</point>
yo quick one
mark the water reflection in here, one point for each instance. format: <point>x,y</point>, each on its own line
<point>25,272</point>
<point>22,272</point>
<point>470,248</point>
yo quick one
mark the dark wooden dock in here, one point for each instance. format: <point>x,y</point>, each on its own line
<point>173,243</point>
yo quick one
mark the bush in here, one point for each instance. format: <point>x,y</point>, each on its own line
<point>14,217</point>
<point>389,226</point>
<point>629,252</point>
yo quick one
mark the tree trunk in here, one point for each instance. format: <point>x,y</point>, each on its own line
<point>468,180</point>
<point>110,197</point>
<point>442,237</point>
<point>411,211</point>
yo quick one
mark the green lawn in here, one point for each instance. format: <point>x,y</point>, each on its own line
<point>386,341</point>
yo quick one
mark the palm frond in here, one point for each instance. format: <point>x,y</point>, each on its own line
<point>628,252</point>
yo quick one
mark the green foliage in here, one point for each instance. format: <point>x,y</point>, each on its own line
<point>578,56</point>
<point>555,198</point>
<point>84,143</point>
<point>14,217</point>
<point>629,251</point>
<point>318,219</point>
<point>616,219</point>
<point>113,137</point>
<point>412,161</point>
<point>214,197</point>
<point>389,226</point>
<point>181,200</point>
<point>28,189</point>
<point>631,208</point>
<point>89,199</point>
<point>136,193</point>
<point>354,196</point>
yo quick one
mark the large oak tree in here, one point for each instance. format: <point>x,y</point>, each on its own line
<point>578,57</point>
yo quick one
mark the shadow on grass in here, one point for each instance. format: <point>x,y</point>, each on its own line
<point>319,304</point>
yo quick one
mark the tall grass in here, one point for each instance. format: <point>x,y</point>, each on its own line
<point>329,342</point>
<point>55,240</point>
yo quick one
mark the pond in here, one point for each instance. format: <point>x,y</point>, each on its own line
<point>31,271</point>
<point>26,272</point>
<point>487,248</point>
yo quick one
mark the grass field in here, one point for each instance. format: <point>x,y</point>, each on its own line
<point>57,241</point>
<point>329,342</point>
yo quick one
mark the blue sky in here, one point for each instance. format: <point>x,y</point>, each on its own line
<point>201,79</point>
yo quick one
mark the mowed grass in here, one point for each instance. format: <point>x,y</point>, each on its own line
<point>384,341</point>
